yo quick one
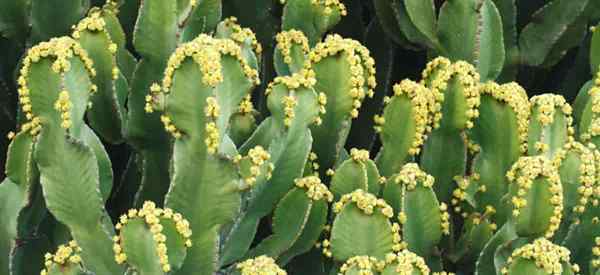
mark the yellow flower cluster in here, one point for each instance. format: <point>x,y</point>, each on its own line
<point>410,175</point>
<point>315,189</point>
<point>285,41</point>
<point>594,128</point>
<point>359,155</point>
<point>397,239</point>
<point>289,103</point>
<point>596,252</point>
<point>304,78</point>
<point>258,156</point>
<point>65,255</point>
<point>155,90</point>
<point>169,126</point>
<point>63,105</point>
<point>95,23</point>
<point>420,98</point>
<point>243,35</point>
<point>587,170</point>
<point>469,80</point>
<point>322,100</point>
<point>523,173</point>
<point>212,108</point>
<point>328,5</point>
<point>262,265</point>
<point>312,162</point>
<point>61,49</point>
<point>365,201</point>
<point>246,106</point>
<point>362,66</point>
<point>212,137</point>
<point>516,98</point>
<point>547,104</point>
<point>437,74</point>
<point>407,263</point>
<point>444,219</point>
<point>152,216</point>
<point>363,265</point>
<point>206,52</point>
<point>459,194</point>
<point>545,254</point>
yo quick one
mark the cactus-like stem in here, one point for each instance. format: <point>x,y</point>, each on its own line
<point>357,172</point>
<point>589,116</point>
<point>362,227</point>
<point>54,90</point>
<point>410,104</point>
<point>291,52</point>
<point>540,257</point>
<point>313,17</point>
<point>455,87</point>
<point>536,197</point>
<point>577,168</point>
<point>496,151</point>
<point>422,217</point>
<point>204,183</point>
<point>298,220</point>
<point>106,112</point>
<point>152,240</point>
<point>66,260</point>
<point>550,126</point>
<point>345,73</point>
<point>294,106</point>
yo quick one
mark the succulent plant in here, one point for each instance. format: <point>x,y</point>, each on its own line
<point>342,137</point>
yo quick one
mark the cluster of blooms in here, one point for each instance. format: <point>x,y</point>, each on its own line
<point>304,78</point>
<point>169,126</point>
<point>596,252</point>
<point>435,77</point>
<point>469,80</point>
<point>63,105</point>
<point>246,106</point>
<point>594,127</point>
<point>365,201</point>
<point>546,107</point>
<point>359,155</point>
<point>439,72</point>
<point>206,52</point>
<point>420,99</point>
<point>260,265</point>
<point>361,64</point>
<point>410,175</point>
<point>62,49</point>
<point>545,254</point>
<point>258,156</point>
<point>242,35</point>
<point>459,194</point>
<point>523,173</point>
<point>289,103</point>
<point>312,159</point>
<point>95,23</point>
<point>65,255</point>
<point>328,5</point>
<point>406,262</point>
<point>516,98</point>
<point>211,111</point>
<point>315,189</point>
<point>152,216</point>
<point>587,171</point>
<point>287,39</point>
<point>363,265</point>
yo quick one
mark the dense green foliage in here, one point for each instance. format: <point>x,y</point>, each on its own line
<point>252,137</point>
